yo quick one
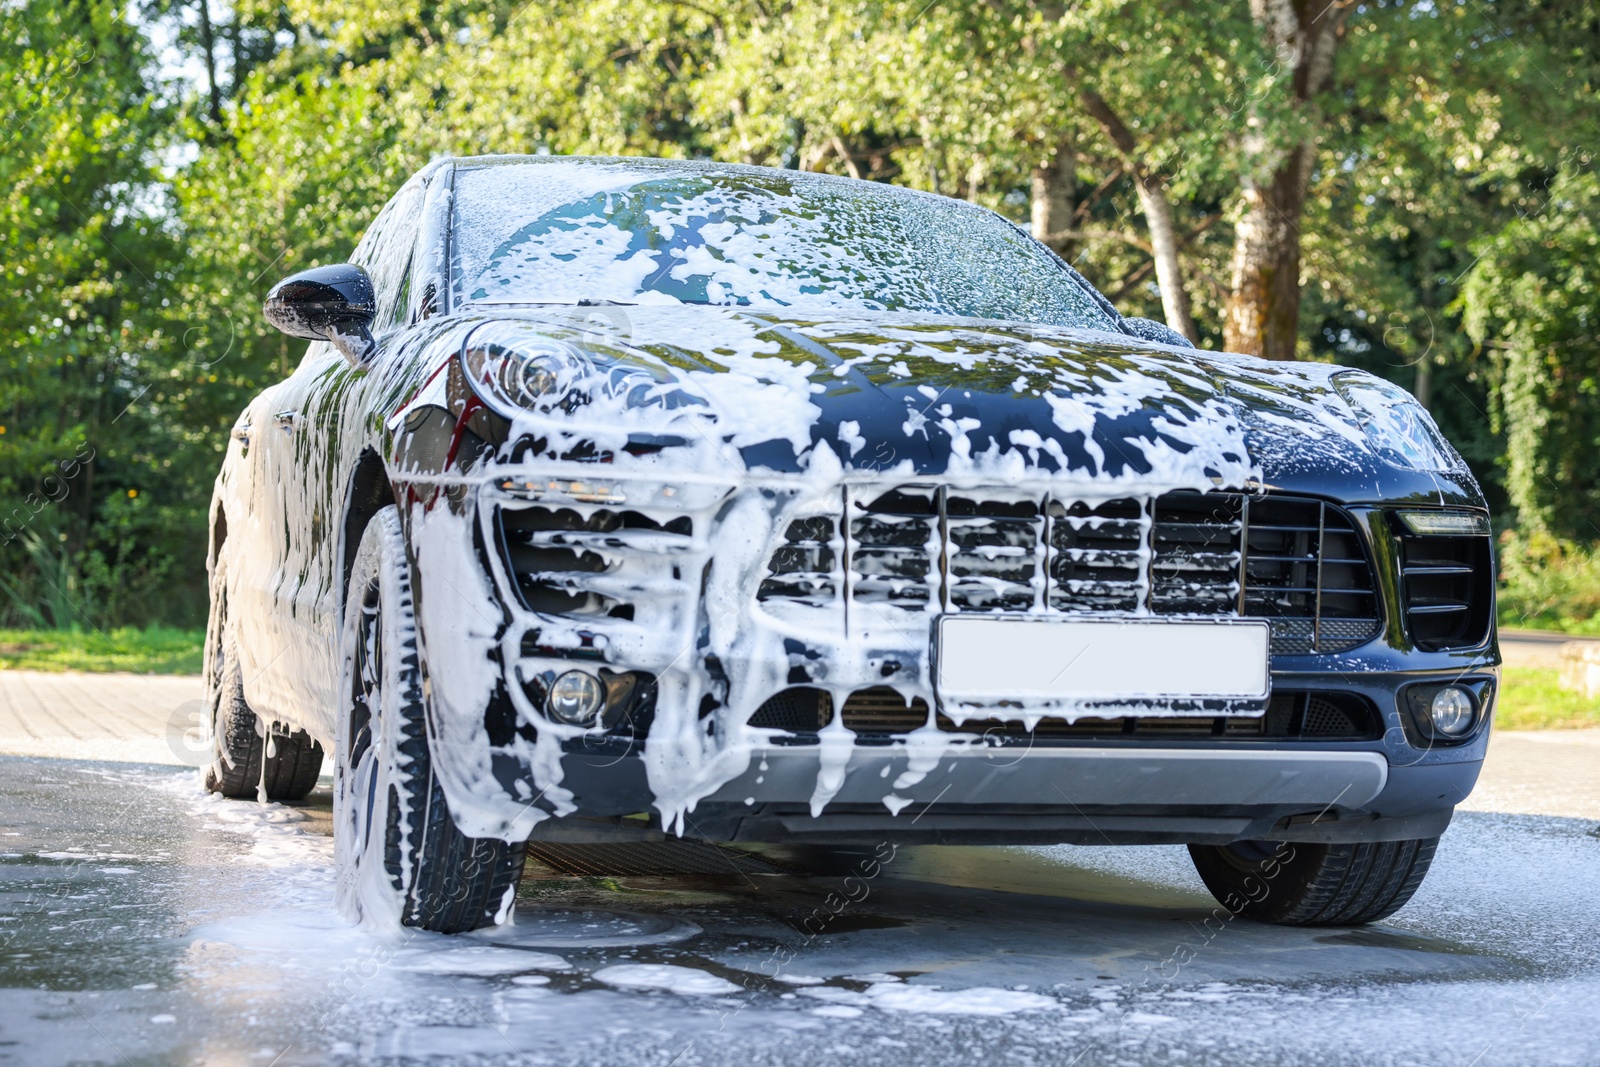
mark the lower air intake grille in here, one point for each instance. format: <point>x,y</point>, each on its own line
<point>797,710</point>
<point>1323,717</point>
<point>881,711</point>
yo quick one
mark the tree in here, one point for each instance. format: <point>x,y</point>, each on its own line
<point>1280,151</point>
<point>96,463</point>
<point>1533,300</point>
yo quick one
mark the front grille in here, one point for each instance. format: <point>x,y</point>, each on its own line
<point>1446,585</point>
<point>805,568</point>
<point>1096,555</point>
<point>895,548</point>
<point>1297,562</point>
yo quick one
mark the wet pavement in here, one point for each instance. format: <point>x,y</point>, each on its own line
<point>144,922</point>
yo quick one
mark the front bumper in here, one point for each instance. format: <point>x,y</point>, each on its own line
<point>714,653</point>
<point>1121,791</point>
<point>1078,794</point>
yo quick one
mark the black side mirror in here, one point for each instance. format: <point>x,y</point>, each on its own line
<point>335,303</point>
<point>1159,332</point>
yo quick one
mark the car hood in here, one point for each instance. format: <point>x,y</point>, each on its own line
<point>920,395</point>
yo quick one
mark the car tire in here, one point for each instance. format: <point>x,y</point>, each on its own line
<point>1299,884</point>
<point>400,857</point>
<point>249,759</point>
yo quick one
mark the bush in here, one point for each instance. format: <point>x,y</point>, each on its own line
<point>1548,583</point>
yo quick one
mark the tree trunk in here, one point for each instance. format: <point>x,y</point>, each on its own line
<point>1053,188</point>
<point>1263,312</point>
<point>1423,390</point>
<point>209,45</point>
<point>1164,246</point>
<point>1157,216</point>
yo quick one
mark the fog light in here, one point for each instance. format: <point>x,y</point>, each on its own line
<point>1451,711</point>
<point>576,697</point>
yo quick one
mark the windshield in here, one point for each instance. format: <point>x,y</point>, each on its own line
<point>641,231</point>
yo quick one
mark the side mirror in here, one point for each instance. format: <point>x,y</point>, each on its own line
<point>335,303</point>
<point>1159,332</point>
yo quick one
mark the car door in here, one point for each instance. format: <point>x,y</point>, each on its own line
<point>309,433</point>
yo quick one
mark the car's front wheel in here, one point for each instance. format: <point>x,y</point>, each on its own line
<point>399,855</point>
<point>1298,884</point>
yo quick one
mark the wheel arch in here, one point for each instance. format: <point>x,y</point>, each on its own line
<point>369,492</point>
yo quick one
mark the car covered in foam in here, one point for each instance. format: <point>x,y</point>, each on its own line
<point>620,498</point>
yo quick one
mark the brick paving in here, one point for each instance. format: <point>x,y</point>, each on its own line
<point>120,717</point>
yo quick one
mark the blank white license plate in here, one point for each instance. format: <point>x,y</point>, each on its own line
<point>990,659</point>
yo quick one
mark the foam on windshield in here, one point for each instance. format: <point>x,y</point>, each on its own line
<point>566,231</point>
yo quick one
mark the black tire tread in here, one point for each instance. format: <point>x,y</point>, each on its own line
<point>291,771</point>
<point>460,881</point>
<point>236,769</point>
<point>456,883</point>
<point>1321,884</point>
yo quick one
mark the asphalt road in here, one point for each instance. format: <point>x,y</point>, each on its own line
<point>145,922</point>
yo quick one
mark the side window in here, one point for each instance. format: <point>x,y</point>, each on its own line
<point>385,253</point>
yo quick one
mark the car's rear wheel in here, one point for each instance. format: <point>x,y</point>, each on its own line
<point>249,758</point>
<point>399,855</point>
<point>1298,884</point>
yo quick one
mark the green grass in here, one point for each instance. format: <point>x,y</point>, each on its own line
<point>157,650</point>
<point>1531,699</point>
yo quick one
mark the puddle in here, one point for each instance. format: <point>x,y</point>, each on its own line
<point>1036,872</point>
<point>1369,938</point>
<point>850,922</point>
<point>536,927</point>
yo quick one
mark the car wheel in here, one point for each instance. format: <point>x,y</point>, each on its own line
<point>400,857</point>
<point>1298,884</point>
<point>247,758</point>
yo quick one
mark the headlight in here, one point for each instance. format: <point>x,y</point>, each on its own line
<point>1433,523</point>
<point>1397,427</point>
<point>514,368</point>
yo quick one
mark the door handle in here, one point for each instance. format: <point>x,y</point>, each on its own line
<point>287,420</point>
<point>241,433</point>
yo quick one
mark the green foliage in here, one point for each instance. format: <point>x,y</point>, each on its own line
<point>1447,241</point>
<point>1533,301</point>
<point>96,399</point>
<point>1549,584</point>
<point>50,600</point>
